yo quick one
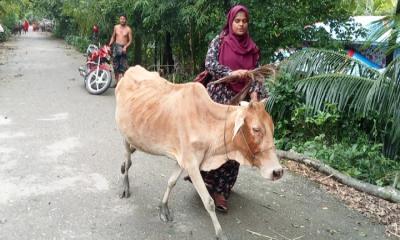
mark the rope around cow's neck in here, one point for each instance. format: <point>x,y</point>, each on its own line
<point>226,149</point>
<point>248,146</point>
<point>245,140</point>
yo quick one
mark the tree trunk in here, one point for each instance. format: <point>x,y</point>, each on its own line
<point>155,51</point>
<point>137,40</point>
<point>396,182</point>
<point>138,49</point>
<point>227,5</point>
<point>388,193</point>
<point>191,50</point>
<point>168,59</point>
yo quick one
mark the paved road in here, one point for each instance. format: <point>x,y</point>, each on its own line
<point>60,156</point>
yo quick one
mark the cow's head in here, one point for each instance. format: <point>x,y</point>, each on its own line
<point>253,132</point>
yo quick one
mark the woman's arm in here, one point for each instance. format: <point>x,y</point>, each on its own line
<point>212,63</point>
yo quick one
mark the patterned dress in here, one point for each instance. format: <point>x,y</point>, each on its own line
<point>221,180</point>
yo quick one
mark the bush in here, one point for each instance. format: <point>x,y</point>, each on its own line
<point>81,43</point>
<point>358,158</point>
<point>5,35</point>
<point>350,144</point>
<point>283,98</point>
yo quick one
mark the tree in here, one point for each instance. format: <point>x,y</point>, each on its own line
<point>181,30</point>
<point>372,7</point>
<point>12,11</point>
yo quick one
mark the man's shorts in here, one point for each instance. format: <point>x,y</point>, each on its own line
<point>120,59</point>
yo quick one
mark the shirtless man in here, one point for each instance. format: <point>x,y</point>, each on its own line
<point>122,39</point>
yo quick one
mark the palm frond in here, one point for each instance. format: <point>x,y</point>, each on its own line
<point>348,92</point>
<point>385,31</point>
<point>380,29</point>
<point>270,102</point>
<point>313,62</point>
<point>329,77</point>
<point>385,93</point>
<point>386,99</point>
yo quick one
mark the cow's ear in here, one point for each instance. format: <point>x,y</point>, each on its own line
<point>239,121</point>
<point>264,101</point>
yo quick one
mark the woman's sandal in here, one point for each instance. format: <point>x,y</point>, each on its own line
<point>221,204</point>
<point>187,178</point>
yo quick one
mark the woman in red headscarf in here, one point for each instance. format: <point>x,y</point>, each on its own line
<point>231,52</point>
<point>26,26</point>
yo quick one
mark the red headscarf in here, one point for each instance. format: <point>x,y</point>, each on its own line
<point>26,25</point>
<point>237,52</point>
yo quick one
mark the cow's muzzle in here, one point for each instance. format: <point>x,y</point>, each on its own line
<point>277,174</point>
<point>272,174</point>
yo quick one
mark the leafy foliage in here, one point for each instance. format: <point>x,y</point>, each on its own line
<point>10,12</point>
<point>4,36</point>
<point>190,25</point>
<point>373,8</point>
<point>360,159</point>
<point>324,76</point>
<point>345,142</point>
<point>283,98</point>
<point>81,43</point>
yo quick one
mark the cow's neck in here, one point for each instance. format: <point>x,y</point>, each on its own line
<point>223,146</point>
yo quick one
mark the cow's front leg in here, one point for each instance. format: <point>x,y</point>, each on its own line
<point>125,169</point>
<point>208,202</point>
<point>165,214</point>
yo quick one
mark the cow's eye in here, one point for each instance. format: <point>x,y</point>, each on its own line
<point>256,129</point>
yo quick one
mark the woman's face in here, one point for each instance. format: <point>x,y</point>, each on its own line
<point>240,24</point>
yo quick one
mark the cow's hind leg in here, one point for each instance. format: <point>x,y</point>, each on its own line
<point>198,182</point>
<point>125,169</point>
<point>165,214</point>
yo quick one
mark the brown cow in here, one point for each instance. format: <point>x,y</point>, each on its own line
<point>181,121</point>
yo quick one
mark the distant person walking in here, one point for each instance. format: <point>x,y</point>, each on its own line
<point>26,26</point>
<point>95,33</point>
<point>120,41</point>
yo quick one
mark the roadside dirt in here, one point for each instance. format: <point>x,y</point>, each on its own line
<point>377,209</point>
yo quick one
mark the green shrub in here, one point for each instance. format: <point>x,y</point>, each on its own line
<point>351,144</point>
<point>357,157</point>
<point>5,35</point>
<point>81,43</point>
<point>283,98</point>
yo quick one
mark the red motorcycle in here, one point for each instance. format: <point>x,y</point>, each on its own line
<point>97,71</point>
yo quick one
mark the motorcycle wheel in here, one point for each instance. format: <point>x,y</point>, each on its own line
<point>98,84</point>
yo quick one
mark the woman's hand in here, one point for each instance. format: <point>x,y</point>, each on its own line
<point>242,73</point>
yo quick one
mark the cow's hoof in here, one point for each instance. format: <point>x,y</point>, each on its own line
<point>123,168</point>
<point>221,236</point>
<point>125,194</point>
<point>165,214</point>
<point>125,187</point>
